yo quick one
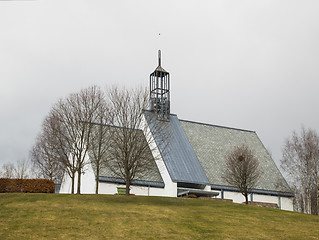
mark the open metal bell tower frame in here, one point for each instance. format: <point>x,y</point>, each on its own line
<point>159,91</point>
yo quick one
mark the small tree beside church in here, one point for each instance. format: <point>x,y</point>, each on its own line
<point>242,170</point>
<point>131,142</point>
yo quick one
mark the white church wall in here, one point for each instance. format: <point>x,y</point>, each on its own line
<point>148,191</point>
<point>88,186</point>
<point>170,189</point>
<point>284,203</point>
<point>235,196</point>
<point>66,184</point>
<point>287,203</point>
<point>87,180</point>
<point>266,198</point>
<point>108,188</point>
<point>111,188</point>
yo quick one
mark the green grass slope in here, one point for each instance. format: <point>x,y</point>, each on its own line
<point>54,216</point>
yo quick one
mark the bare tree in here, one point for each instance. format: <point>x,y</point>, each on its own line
<point>73,115</point>
<point>131,139</point>
<point>62,145</point>
<point>45,157</point>
<point>8,170</point>
<point>65,135</point>
<point>242,170</point>
<point>100,141</point>
<point>22,169</point>
<point>300,161</point>
<point>51,154</point>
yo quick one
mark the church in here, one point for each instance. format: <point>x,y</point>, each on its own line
<point>195,161</point>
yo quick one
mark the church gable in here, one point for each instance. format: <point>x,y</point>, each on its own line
<point>150,177</point>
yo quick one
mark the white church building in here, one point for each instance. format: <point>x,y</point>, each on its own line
<point>195,161</point>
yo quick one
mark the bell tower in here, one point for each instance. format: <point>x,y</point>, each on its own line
<point>159,91</point>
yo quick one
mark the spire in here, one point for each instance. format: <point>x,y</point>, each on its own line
<point>159,71</point>
<point>159,91</point>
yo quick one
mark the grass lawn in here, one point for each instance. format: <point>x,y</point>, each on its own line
<point>59,216</point>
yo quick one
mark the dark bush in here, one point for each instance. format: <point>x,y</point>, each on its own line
<point>26,185</point>
<point>190,196</point>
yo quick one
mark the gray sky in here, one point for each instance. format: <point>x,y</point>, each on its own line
<point>243,64</point>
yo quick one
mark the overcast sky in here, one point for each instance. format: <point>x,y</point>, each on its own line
<point>244,64</point>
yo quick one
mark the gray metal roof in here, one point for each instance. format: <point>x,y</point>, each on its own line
<point>178,155</point>
<point>151,175</point>
<point>212,143</point>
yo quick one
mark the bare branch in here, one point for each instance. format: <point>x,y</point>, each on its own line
<point>242,170</point>
<point>300,161</point>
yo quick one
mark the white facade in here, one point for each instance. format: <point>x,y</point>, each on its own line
<point>88,185</point>
<point>87,181</point>
<point>170,189</point>
<point>284,203</point>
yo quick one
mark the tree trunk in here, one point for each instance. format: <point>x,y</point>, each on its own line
<point>297,199</point>
<point>303,203</point>
<point>246,198</point>
<point>72,190</point>
<point>127,192</point>
<point>97,179</point>
<point>309,200</point>
<point>317,186</point>
<point>79,181</point>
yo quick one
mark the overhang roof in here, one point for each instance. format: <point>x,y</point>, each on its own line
<point>199,193</point>
<point>134,182</point>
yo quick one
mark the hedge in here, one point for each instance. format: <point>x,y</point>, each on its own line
<point>8,185</point>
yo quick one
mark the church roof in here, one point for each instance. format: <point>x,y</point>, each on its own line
<point>195,153</point>
<point>212,143</point>
<point>178,155</point>
<point>149,177</point>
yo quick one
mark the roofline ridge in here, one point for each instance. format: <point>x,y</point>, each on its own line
<point>214,125</point>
